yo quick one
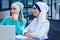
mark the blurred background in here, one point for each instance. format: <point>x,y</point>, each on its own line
<point>53,14</point>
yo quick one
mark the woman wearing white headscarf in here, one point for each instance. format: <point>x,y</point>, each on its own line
<point>39,27</point>
<point>17,17</point>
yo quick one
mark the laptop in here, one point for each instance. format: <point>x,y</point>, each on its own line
<point>7,32</point>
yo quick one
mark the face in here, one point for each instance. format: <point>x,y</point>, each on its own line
<point>35,11</point>
<point>14,10</point>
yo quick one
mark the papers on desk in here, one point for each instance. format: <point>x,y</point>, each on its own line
<point>20,36</point>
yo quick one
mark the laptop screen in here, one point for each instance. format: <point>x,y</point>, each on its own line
<point>7,32</point>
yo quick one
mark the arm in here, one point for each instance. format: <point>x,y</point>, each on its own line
<point>23,23</point>
<point>40,32</point>
<point>27,28</point>
<point>26,31</point>
<point>19,26</point>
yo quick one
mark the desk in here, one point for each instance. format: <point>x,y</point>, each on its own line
<point>20,37</point>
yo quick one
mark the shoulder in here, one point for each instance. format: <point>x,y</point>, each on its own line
<point>24,20</point>
<point>7,17</point>
<point>46,22</point>
<point>34,19</point>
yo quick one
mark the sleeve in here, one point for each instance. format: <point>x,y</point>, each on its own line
<point>27,29</point>
<point>41,32</point>
<point>24,23</point>
<point>3,21</point>
<point>19,26</point>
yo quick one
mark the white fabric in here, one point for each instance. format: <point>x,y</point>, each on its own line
<point>18,5</point>
<point>39,27</point>
<point>20,36</point>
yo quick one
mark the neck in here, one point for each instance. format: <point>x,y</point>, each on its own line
<point>37,16</point>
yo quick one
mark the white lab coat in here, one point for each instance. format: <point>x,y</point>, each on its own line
<point>39,27</point>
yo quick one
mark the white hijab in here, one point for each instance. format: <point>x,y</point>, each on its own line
<point>44,9</point>
<point>42,16</point>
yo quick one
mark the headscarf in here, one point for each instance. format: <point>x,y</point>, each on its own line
<point>43,9</point>
<point>20,7</point>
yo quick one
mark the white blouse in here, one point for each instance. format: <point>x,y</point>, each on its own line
<point>37,30</point>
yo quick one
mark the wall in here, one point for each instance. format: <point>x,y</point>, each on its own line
<point>3,14</point>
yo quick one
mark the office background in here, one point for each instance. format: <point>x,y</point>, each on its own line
<point>53,15</point>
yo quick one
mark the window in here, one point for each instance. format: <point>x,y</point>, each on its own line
<point>4,4</point>
<point>30,2</point>
<point>53,13</point>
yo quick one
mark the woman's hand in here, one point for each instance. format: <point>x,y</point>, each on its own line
<point>15,17</point>
<point>27,34</point>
